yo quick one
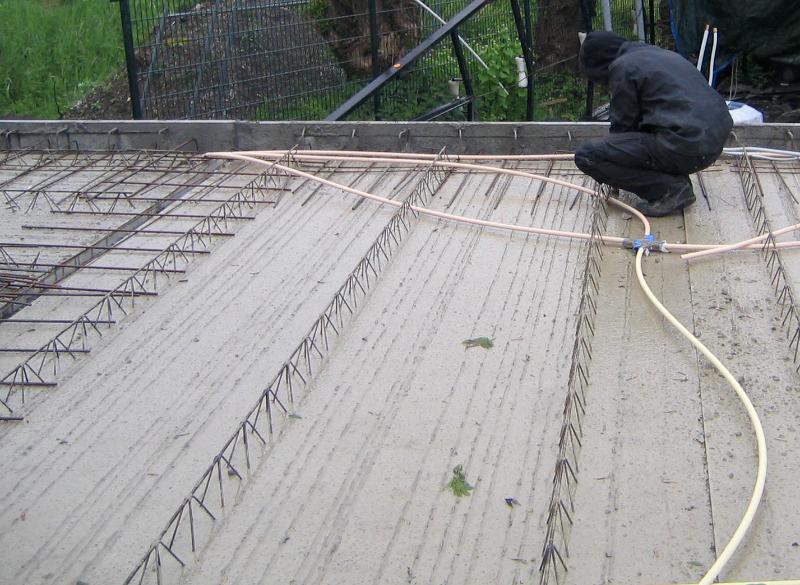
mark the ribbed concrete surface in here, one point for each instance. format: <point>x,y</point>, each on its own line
<point>102,460</point>
<point>669,457</point>
<point>354,489</point>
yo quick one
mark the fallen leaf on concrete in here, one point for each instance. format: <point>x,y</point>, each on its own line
<point>483,342</point>
<point>459,483</point>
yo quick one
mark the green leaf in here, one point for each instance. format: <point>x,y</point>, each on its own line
<point>459,483</point>
<point>484,342</point>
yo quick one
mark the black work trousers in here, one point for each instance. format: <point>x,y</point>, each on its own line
<point>636,162</point>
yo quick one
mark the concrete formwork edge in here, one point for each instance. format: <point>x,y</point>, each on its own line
<point>459,137</point>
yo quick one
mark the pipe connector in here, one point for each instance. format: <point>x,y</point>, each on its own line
<point>647,243</point>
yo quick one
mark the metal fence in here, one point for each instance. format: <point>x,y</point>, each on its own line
<point>301,59</point>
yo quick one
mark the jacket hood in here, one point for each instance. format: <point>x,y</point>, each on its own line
<point>598,50</point>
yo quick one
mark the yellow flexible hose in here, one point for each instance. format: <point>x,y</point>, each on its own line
<point>761,472</point>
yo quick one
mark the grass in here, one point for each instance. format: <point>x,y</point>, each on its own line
<point>54,51</point>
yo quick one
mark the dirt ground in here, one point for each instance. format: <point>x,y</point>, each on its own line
<point>110,101</point>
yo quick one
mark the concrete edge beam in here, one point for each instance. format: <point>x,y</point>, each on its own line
<point>459,137</point>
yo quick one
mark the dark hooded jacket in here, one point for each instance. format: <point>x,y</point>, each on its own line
<point>659,92</point>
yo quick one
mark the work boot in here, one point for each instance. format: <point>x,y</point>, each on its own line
<point>673,202</point>
<point>628,197</point>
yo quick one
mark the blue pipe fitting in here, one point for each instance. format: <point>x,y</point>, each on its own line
<point>647,243</point>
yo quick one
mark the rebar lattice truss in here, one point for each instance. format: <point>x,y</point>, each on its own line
<point>234,462</point>
<point>46,361</point>
<point>9,155</point>
<point>61,159</point>
<point>62,164</point>
<point>553,567</point>
<point>781,284</point>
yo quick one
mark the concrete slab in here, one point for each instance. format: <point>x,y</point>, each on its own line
<point>101,462</point>
<point>354,488</point>
<point>379,437</point>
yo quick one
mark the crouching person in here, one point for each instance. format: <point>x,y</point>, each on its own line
<point>666,122</point>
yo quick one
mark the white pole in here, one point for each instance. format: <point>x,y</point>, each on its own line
<point>606,14</point>
<point>713,58</point>
<point>639,18</point>
<point>702,50</point>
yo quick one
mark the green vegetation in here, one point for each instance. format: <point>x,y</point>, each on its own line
<point>558,93</point>
<point>317,10</point>
<point>483,342</point>
<point>458,484</point>
<point>53,51</point>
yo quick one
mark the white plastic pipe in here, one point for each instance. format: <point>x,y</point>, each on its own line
<point>449,216</point>
<point>702,50</point>
<point>606,5</point>
<point>760,582</point>
<point>755,152</point>
<point>251,157</point>
<point>639,9</point>
<point>752,151</point>
<point>713,59</point>
<point>410,156</point>
<point>739,245</point>
<point>414,158</point>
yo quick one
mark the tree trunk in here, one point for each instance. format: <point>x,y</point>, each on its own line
<point>557,25</point>
<point>664,28</point>
<point>398,31</point>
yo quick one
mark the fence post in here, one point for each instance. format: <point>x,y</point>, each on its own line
<point>130,58</point>
<point>531,73</point>
<point>638,9</point>
<point>465,76</point>
<point>526,54</point>
<point>607,24</point>
<point>374,46</point>
<point>586,11</point>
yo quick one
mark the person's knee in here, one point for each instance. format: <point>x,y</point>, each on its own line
<point>584,158</point>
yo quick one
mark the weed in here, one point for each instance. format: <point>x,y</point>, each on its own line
<point>459,483</point>
<point>483,342</point>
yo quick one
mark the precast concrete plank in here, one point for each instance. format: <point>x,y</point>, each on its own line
<point>356,489</point>
<point>92,476</point>
<point>738,316</point>
<point>641,477</point>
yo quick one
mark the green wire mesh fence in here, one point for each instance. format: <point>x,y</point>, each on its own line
<point>300,59</point>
